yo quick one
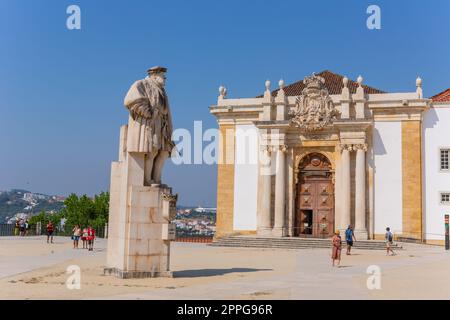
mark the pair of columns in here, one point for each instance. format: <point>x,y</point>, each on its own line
<point>360,186</point>
<point>266,172</point>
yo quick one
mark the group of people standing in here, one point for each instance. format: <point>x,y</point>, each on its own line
<point>87,236</point>
<point>21,228</point>
<point>349,238</point>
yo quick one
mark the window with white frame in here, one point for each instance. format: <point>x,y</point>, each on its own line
<point>445,198</point>
<point>444,159</point>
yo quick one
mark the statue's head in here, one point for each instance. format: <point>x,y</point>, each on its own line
<point>158,74</point>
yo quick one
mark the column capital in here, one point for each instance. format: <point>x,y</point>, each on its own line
<point>280,147</point>
<point>360,146</point>
<point>265,147</point>
<point>346,146</point>
<point>283,148</point>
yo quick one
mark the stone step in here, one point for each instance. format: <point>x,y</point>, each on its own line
<point>293,243</point>
<point>287,247</point>
<point>298,244</point>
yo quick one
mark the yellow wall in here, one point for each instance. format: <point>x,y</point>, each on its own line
<point>412,178</point>
<point>225,181</point>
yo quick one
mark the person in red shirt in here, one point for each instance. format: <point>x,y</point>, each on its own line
<point>84,235</point>
<point>90,237</point>
<point>50,229</point>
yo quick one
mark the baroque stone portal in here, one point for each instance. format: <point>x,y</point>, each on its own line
<point>314,109</point>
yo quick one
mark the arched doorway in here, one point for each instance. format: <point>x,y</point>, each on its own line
<point>315,198</point>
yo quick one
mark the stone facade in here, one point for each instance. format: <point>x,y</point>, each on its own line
<point>343,128</point>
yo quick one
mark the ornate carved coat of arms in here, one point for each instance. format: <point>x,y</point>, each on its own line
<point>314,109</point>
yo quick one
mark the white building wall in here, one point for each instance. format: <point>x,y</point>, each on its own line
<point>436,133</point>
<point>387,144</point>
<point>246,178</point>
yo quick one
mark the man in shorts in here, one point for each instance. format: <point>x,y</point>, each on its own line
<point>50,229</point>
<point>349,237</point>
<point>389,237</point>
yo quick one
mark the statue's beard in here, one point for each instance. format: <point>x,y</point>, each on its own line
<point>158,82</point>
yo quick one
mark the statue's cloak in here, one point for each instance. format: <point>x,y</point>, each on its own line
<point>150,123</point>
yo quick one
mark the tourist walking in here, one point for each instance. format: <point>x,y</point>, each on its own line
<point>389,237</point>
<point>22,227</point>
<point>84,236</point>
<point>50,230</point>
<point>90,238</point>
<point>16,228</point>
<point>336,248</point>
<point>26,227</point>
<point>349,237</point>
<point>76,236</point>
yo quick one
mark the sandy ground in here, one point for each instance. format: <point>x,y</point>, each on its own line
<point>32,269</point>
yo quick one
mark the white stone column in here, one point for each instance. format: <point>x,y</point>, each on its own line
<point>360,190</point>
<point>265,226</point>
<point>346,186</point>
<point>280,194</point>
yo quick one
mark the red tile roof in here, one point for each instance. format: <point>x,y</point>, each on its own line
<point>444,96</point>
<point>333,82</point>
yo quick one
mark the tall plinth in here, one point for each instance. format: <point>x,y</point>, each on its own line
<point>139,230</point>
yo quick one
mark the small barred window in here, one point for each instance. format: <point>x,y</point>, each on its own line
<point>444,159</point>
<point>445,198</point>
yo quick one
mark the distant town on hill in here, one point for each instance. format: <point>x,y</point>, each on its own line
<point>23,204</point>
<point>19,203</point>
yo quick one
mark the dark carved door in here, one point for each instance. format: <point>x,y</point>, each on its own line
<point>315,199</point>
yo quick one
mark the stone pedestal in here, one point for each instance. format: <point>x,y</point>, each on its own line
<point>139,231</point>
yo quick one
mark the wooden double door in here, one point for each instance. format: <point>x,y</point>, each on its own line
<point>315,205</point>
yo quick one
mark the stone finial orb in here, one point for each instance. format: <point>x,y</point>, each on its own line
<point>345,81</point>
<point>281,83</point>
<point>359,80</point>
<point>267,85</point>
<point>418,82</point>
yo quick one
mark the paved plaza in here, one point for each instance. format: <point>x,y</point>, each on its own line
<point>32,269</point>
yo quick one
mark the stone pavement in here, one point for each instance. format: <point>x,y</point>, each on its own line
<point>19,255</point>
<point>29,269</point>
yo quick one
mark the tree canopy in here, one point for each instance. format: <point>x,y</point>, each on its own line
<point>82,211</point>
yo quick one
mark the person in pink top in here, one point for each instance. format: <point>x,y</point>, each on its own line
<point>90,238</point>
<point>336,248</point>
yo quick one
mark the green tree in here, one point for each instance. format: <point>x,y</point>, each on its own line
<point>85,211</point>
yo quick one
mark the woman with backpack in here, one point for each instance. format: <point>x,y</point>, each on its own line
<point>389,240</point>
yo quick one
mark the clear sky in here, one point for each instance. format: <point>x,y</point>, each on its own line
<point>61,91</point>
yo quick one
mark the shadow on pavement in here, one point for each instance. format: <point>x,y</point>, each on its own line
<point>212,272</point>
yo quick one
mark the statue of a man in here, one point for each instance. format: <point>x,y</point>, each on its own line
<point>150,124</point>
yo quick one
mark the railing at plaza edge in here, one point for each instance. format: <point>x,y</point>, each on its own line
<point>8,230</point>
<point>101,232</point>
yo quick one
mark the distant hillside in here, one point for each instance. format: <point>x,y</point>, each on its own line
<point>196,213</point>
<point>22,201</point>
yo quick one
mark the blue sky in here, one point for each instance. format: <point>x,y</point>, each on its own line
<point>61,91</point>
